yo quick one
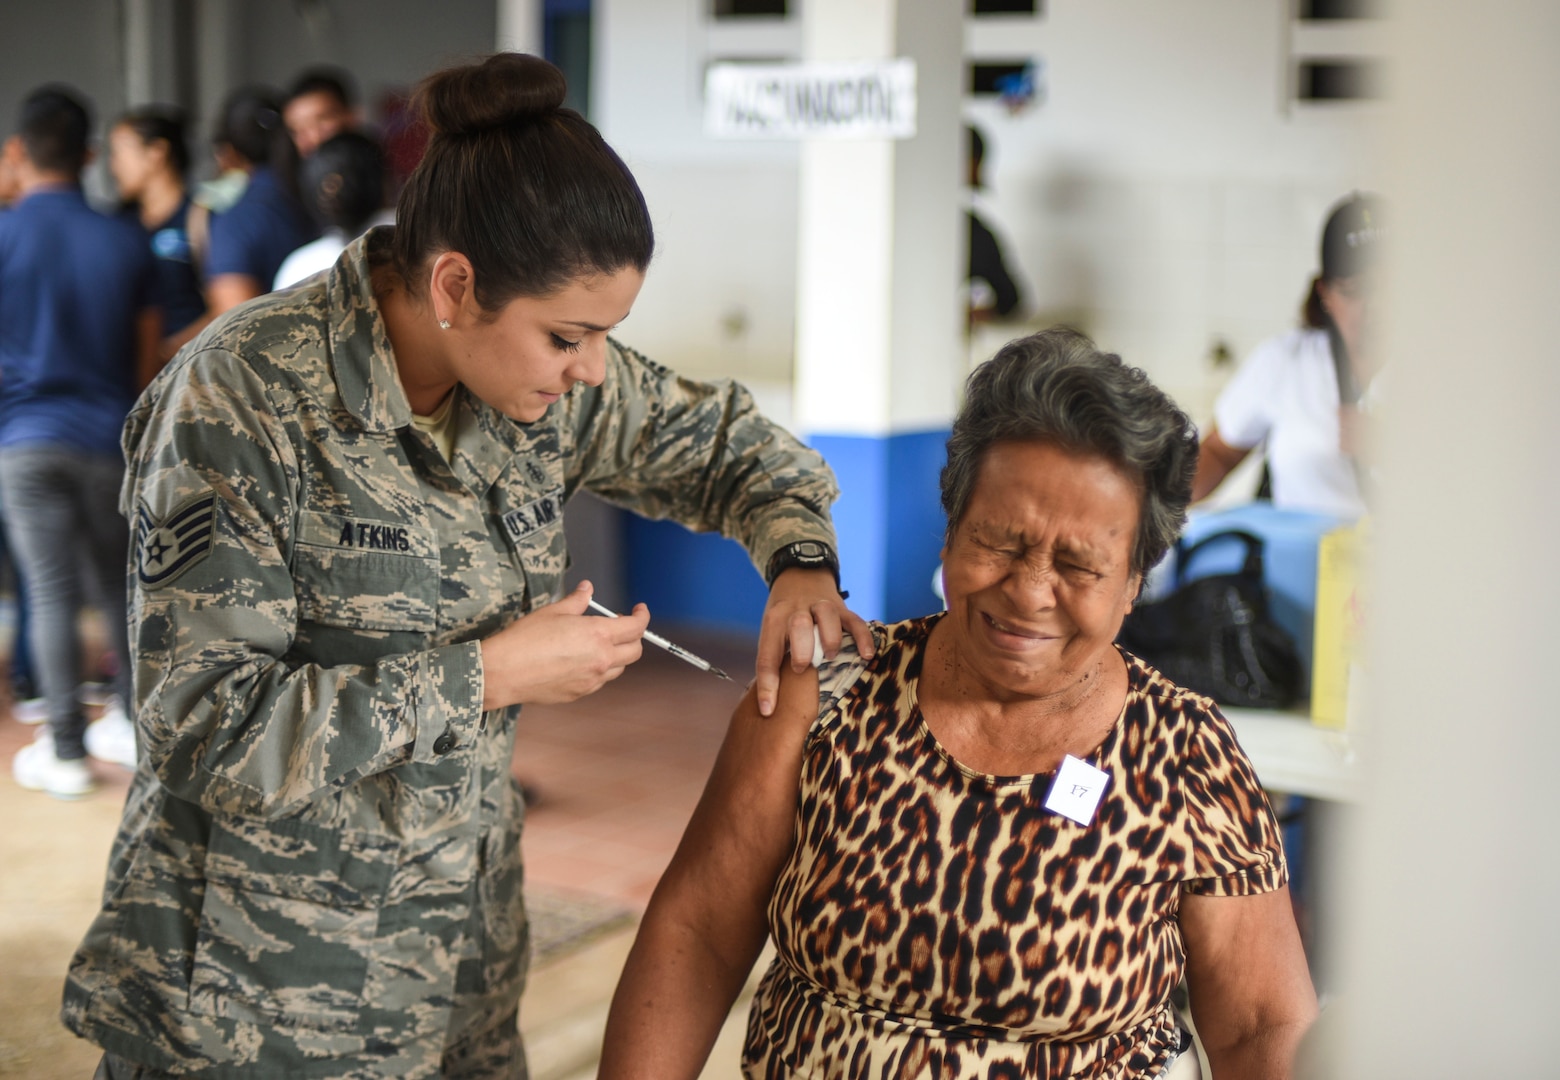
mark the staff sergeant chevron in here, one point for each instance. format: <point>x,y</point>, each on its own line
<point>167,548</point>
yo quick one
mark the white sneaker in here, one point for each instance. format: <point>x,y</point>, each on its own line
<point>96,693</point>
<point>112,736</point>
<point>34,710</point>
<point>36,768</point>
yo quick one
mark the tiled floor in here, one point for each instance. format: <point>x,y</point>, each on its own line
<point>616,776</point>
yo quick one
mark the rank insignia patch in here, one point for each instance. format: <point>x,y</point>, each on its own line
<point>165,549</point>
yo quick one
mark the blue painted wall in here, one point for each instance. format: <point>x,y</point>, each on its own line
<point>890,526</point>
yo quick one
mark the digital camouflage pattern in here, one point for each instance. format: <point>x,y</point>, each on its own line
<point>318,872</point>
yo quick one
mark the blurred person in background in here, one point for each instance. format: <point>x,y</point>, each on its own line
<point>319,105</point>
<point>348,581</point>
<point>343,186</point>
<point>1306,393</point>
<point>10,185</point>
<point>150,159</point>
<point>77,322</point>
<point>994,848</point>
<point>26,704</point>
<point>250,239</point>
<point>993,292</point>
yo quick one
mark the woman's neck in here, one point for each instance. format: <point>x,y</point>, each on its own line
<point>1006,734</point>
<point>160,199</point>
<point>414,340</point>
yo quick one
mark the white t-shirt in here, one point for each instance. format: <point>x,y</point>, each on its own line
<point>310,259</point>
<point>1287,393</point>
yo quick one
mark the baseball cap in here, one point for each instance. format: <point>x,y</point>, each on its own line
<point>1352,238</point>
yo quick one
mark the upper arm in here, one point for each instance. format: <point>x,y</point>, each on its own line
<point>742,832</point>
<point>1216,459</point>
<point>1246,971</point>
<point>226,291</point>
<point>698,453</point>
<point>148,346</point>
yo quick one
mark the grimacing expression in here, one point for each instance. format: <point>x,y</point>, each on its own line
<point>535,349</point>
<point>1038,571</point>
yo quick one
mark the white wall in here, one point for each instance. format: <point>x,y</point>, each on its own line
<point>721,296</point>
<point>1164,196</point>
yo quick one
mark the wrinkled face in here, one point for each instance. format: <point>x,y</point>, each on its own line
<point>1038,572</point>
<point>132,161</point>
<point>312,119</point>
<point>537,348</point>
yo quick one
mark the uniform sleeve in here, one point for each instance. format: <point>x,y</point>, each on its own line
<point>1236,849</point>
<point>698,453</point>
<point>1243,412</point>
<point>227,719</point>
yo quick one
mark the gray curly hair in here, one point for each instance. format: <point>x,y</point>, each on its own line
<point>1056,386</point>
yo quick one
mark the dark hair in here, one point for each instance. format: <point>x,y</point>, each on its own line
<point>251,123</point>
<point>524,188</point>
<point>54,124</point>
<point>1057,387</point>
<point>344,182</point>
<point>323,80</point>
<point>165,123</point>
<point>977,147</point>
<point>1313,313</point>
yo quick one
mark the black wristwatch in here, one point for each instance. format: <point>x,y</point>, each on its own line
<point>807,554</point>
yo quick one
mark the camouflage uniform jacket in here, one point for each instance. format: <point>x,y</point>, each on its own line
<point>318,869</point>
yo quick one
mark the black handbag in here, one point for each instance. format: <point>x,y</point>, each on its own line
<point>1215,635</point>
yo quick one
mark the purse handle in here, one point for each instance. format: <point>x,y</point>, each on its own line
<point>1253,542</point>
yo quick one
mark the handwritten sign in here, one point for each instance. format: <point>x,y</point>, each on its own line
<point>862,100</point>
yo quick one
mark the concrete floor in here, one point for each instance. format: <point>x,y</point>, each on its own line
<point>617,776</point>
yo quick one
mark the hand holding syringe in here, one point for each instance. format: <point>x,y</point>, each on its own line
<point>676,650</point>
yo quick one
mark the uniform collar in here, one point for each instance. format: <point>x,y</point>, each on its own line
<point>360,355</point>
<point>363,365</point>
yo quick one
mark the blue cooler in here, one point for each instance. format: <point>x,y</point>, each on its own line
<point>1290,539</point>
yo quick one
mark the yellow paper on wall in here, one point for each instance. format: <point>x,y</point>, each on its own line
<point>1340,624</point>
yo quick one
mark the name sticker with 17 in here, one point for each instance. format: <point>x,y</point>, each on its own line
<point>1076,790</point>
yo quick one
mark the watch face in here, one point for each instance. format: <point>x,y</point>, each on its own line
<point>807,549</point>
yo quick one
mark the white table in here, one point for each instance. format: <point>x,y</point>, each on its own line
<point>1294,756</point>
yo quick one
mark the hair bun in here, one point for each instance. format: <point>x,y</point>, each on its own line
<point>503,89</point>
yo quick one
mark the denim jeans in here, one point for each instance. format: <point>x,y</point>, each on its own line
<point>62,522</point>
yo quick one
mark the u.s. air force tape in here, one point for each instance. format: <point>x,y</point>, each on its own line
<point>165,549</point>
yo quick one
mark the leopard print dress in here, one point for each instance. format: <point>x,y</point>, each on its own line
<point>932,921</point>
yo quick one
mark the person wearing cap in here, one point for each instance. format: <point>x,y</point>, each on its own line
<point>1304,392</point>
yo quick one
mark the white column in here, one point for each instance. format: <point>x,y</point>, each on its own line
<point>519,26</point>
<point>879,256</point>
<point>1453,950</point>
<point>879,262</point>
<point>139,61</point>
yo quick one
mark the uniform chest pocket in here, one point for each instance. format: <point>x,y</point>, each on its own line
<point>366,574</point>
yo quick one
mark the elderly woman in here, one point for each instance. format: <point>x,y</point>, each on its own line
<point>994,849</point>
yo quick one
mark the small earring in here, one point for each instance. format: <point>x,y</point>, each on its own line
<point>444,324</point>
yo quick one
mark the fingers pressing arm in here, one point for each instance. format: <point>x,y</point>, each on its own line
<point>799,601</point>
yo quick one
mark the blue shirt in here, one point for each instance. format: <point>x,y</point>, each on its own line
<point>72,283</point>
<point>178,290</point>
<point>257,232</point>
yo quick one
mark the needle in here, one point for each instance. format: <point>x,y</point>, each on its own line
<point>676,650</point>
